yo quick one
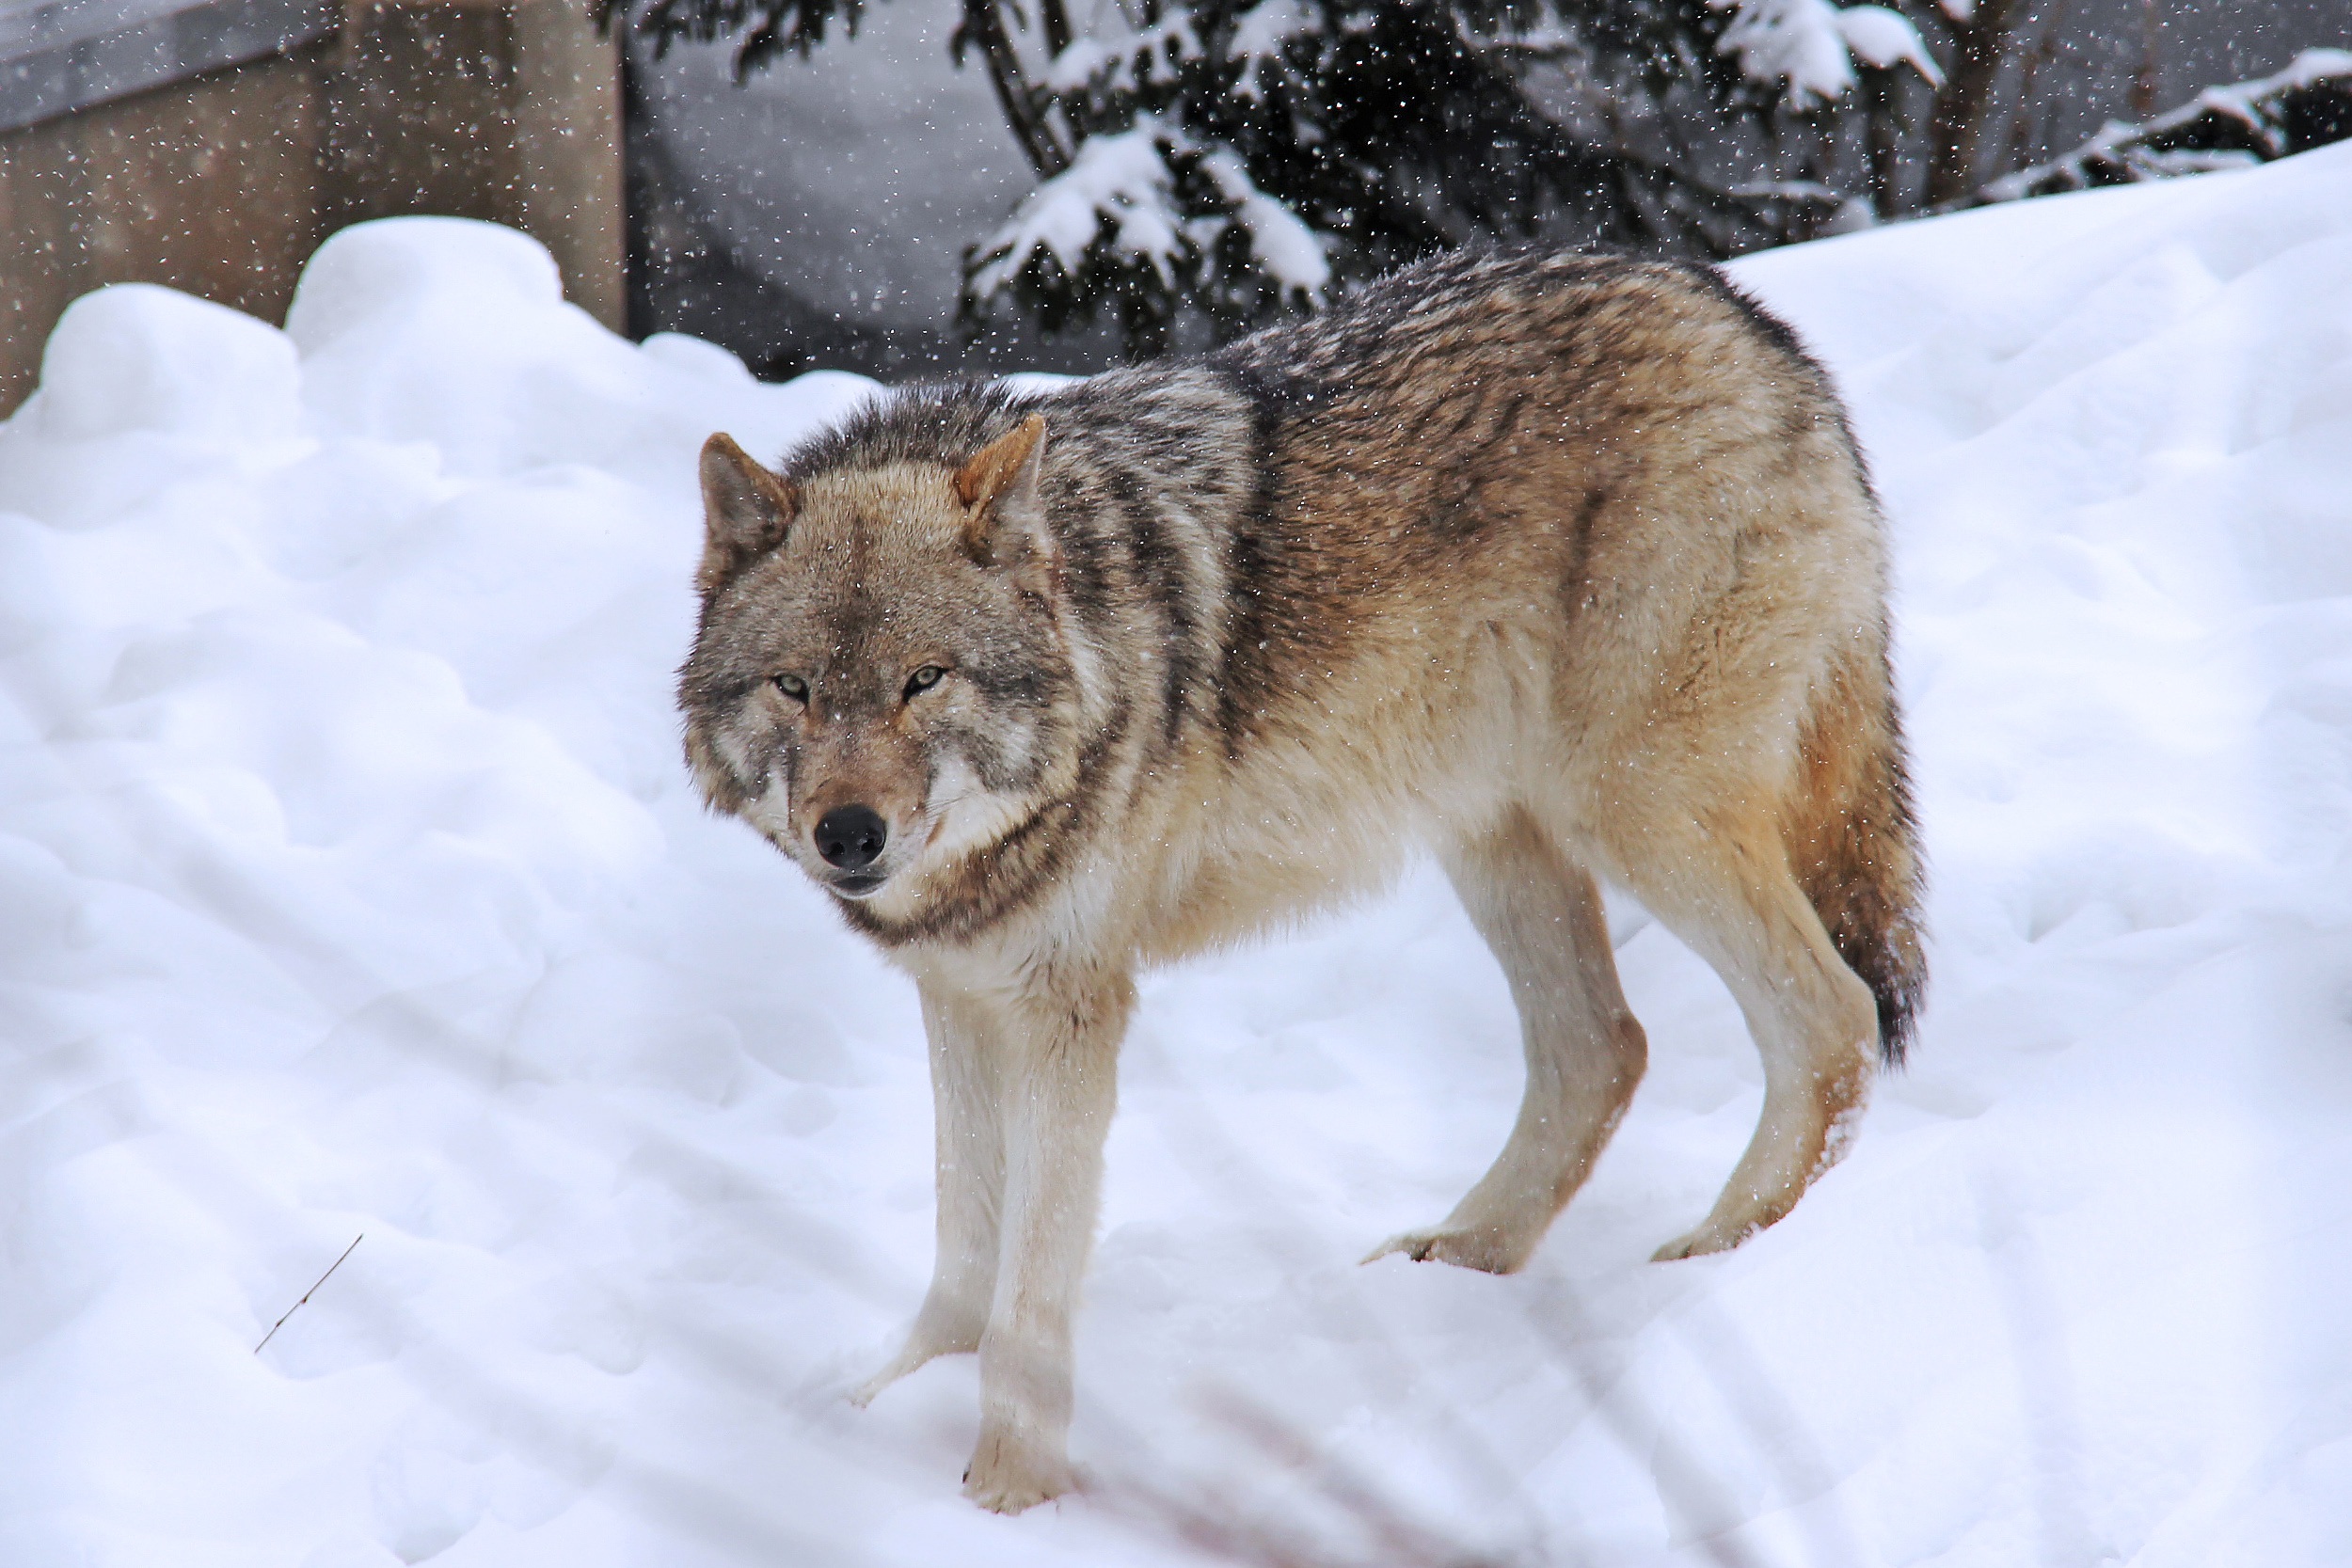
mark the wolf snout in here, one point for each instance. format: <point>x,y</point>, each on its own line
<point>850,838</point>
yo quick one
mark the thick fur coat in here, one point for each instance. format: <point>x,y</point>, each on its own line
<point>1561,566</point>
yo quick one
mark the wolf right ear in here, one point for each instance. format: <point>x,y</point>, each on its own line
<point>998,489</point>
<point>746,510</point>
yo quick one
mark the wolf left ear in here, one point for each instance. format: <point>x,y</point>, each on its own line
<point>998,488</point>
<point>746,510</point>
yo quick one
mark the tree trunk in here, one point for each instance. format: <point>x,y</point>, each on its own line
<point>984,25</point>
<point>1964,107</point>
<point>2025,125</point>
<point>1882,139</point>
<point>2147,81</point>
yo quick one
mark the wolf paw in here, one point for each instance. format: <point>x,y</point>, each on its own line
<point>1006,1475</point>
<point>1482,1250</point>
<point>1705,1240</point>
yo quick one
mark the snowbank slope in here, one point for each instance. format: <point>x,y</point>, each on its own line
<point>349,884</point>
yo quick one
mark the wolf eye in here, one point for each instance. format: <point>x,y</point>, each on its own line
<point>793,687</point>
<point>924,679</point>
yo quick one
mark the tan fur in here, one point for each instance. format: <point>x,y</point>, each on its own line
<point>1564,568</point>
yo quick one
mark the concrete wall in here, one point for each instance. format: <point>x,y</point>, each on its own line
<point>146,156</point>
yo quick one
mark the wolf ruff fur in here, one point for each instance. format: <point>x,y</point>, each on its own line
<point>1564,566</point>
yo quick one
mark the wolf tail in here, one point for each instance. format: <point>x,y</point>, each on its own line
<point>1850,839</point>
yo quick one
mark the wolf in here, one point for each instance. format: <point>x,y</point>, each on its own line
<point>1562,566</point>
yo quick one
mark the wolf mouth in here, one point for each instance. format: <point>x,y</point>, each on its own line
<point>863,885</point>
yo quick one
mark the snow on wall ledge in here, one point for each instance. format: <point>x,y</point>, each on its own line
<point>349,884</point>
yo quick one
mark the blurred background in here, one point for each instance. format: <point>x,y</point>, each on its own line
<point>910,188</point>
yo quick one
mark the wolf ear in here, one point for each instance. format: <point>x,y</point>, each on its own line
<point>998,488</point>
<point>746,510</point>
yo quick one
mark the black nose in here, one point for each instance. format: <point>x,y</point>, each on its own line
<point>850,836</point>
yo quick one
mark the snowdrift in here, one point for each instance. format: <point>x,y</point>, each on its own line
<point>350,885</point>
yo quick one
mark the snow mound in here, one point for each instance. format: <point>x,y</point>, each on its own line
<point>350,886</point>
<point>141,358</point>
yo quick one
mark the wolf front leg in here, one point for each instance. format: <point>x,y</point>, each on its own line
<point>1061,1085</point>
<point>968,1051</point>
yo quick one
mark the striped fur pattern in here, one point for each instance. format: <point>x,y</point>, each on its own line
<point>1563,567</point>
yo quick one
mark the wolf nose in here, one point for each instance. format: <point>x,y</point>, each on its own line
<point>850,836</point>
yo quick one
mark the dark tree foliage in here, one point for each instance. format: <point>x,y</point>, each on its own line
<point>1223,162</point>
<point>1390,130</point>
<point>1653,45</point>
<point>762,29</point>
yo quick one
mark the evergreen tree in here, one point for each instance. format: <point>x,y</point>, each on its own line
<point>1225,162</point>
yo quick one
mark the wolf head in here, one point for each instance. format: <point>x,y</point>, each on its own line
<point>879,679</point>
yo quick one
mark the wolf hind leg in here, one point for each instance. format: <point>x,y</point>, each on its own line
<point>1727,891</point>
<point>1539,908</point>
<point>968,1121</point>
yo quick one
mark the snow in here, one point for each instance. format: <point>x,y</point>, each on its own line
<point>1801,47</point>
<point>1122,179</point>
<point>1123,58</point>
<point>1262,37</point>
<point>354,887</point>
<point>2311,65</point>
<point>1795,45</point>
<point>1293,254</point>
<point>1077,64</point>
<point>1883,39</point>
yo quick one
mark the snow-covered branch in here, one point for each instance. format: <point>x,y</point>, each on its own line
<point>1120,179</point>
<point>1294,256</point>
<point>1123,186</point>
<point>1806,48</point>
<point>2224,127</point>
<point>1884,39</point>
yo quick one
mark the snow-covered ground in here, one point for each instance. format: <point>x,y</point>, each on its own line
<point>350,884</point>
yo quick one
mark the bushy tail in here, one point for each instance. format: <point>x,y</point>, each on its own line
<point>1851,841</point>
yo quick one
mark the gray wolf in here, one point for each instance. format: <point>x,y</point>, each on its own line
<point>1565,567</point>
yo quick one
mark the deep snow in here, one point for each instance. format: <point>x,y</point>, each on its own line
<point>350,884</point>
